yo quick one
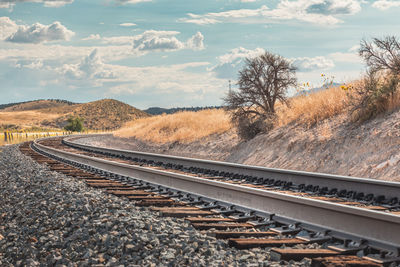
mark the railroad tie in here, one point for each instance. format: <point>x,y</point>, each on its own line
<point>228,234</point>
<point>145,197</point>
<point>342,261</point>
<point>104,184</point>
<point>180,213</point>
<point>246,243</point>
<point>158,202</point>
<point>125,193</point>
<point>209,219</point>
<point>287,254</point>
<point>171,209</point>
<point>221,226</point>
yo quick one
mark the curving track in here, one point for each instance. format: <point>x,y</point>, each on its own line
<point>348,216</point>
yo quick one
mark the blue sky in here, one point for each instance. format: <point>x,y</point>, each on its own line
<point>172,53</point>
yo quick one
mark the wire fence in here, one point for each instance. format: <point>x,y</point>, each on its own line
<point>9,138</point>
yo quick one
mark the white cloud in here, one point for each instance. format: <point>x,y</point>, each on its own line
<point>7,27</point>
<point>46,3</point>
<point>332,7</point>
<point>354,48</point>
<point>35,64</point>
<point>39,33</point>
<point>351,56</point>
<point>196,42</point>
<point>90,67</point>
<point>166,79</point>
<point>385,4</point>
<point>199,19</point>
<point>345,57</point>
<point>118,40</point>
<point>62,54</point>
<point>157,40</point>
<point>92,37</point>
<point>165,41</point>
<point>230,63</point>
<point>312,63</point>
<point>6,5</point>
<point>57,3</point>
<point>322,12</point>
<point>123,2</point>
<point>127,24</point>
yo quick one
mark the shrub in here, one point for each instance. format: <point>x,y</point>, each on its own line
<point>376,92</point>
<point>372,95</point>
<point>75,124</point>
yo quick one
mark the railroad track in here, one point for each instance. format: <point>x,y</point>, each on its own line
<point>353,221</point>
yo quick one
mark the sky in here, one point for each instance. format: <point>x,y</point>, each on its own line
<point>175,53</point>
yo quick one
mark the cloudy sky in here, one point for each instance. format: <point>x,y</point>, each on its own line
<point>175,52</point>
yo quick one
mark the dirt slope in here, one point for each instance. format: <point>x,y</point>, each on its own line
<point>334,146</point>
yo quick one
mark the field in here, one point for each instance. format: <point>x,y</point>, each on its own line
<point>8,138</point>
<point>182,127</point>
<point>25,119</point>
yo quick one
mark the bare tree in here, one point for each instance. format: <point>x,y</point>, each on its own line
<point>382,54</point>
<point>263,81</point>
<point>373,94</point>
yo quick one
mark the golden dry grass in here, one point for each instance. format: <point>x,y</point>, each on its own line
<point>183,127</point>
<point>313,108</point>
<point>25,118</point>
<point>306,110</point>
<point>394,103</point>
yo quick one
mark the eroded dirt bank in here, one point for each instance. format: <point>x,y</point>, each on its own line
<point>369,150</point>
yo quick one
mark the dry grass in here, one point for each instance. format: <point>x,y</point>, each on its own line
<point>25,118</point>
<point>311,109</point>
<point>306,110</point>
<point>183,127</point>
<point>394,103</point>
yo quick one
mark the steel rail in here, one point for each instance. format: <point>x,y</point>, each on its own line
<point>375,226</point>
<point>367,186</point>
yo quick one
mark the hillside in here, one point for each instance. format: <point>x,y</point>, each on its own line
<point>34,105</point>
<point>316,132</point>
<point>106,114</point>
<point>332,146</point>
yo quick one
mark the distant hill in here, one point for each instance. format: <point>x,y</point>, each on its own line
<point>38,104</point>
<point>34,104</point>
<point>106,114</point>
<point>158,110</point>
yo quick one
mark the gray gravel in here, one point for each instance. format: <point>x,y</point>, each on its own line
<point>49,219</point>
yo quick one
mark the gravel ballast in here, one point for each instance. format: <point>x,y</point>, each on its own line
<point>48,219</point>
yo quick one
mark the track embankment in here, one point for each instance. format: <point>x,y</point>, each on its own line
<point>297,236</point>
<point>48,218</point>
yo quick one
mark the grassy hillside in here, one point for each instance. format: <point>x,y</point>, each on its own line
<point>106,114</point>
<point>305,110</point>
<point>182,127</point>
<point>34,105</point>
